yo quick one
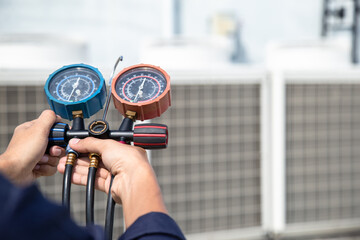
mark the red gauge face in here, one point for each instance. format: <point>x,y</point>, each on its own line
<point>140,85</point>
<point>144,89</point>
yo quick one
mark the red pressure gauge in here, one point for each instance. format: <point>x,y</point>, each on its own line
<point>142,88</point>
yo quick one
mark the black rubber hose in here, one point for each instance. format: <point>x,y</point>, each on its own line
<point>90,188</point>
<point>109,219</point>
<point>126,125</point>
<point>67,186</point>
<point>78,124</point>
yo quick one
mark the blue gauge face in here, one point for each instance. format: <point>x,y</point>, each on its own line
<point>74,84</point>
<point>76,87</point>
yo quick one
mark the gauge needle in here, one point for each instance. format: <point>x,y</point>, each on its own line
<point>140,91</point>
<point>75,85</point>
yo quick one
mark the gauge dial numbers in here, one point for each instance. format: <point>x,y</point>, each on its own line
<point>76,87</point>
<point>142,88</point>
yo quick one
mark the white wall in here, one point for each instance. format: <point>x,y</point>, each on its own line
<point>263,20</point>
<point>114,27</point>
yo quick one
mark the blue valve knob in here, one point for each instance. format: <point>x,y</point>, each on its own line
<point>57,135</point>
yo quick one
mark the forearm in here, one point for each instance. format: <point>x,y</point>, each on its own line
<point>7,169</point>
<point>140,193</point>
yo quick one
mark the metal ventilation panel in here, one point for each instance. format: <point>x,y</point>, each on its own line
<point>210,173</point>
<point>322,152</point>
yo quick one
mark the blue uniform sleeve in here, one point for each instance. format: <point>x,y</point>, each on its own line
<point>153,226</point>
<point>26,214</point>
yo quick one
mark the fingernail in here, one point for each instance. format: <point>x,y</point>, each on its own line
<point>44,159</point>
<point>74,140</point>
<point>37,167</point>
<point>56,152</point>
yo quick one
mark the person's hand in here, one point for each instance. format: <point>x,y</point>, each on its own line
<point>134,186</point>
<point>25,158</point>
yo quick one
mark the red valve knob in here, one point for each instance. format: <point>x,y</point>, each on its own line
<point>151,136</point>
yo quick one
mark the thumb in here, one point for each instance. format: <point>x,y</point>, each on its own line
<point>88,144</point>
<point>46,119</point>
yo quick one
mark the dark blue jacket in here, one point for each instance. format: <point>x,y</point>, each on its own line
<point>26,214</point>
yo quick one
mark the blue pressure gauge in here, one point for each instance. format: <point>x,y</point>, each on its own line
<point>76,87</point>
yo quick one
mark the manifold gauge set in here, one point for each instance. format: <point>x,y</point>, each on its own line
<point>78,91</point>
<point>143,88</point>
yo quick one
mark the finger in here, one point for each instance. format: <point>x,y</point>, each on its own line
<point>58,118</point>
<point>83,169</point>
<point>80,174</point>
<point>100,183</point>
<point>46,119</point>
<point>61,166</point>
<point>44,170</point>
<point>47,159</point>
<point>57,151</point>
<point>90,144</point>
<point>84,161</point>
<point>80,161</point>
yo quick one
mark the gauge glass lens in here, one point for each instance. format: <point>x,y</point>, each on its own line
<point>139,85</point>
<point>74,84</point>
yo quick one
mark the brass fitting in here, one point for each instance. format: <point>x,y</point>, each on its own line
<point>71,158</point>
<point>131,115</point>
<point>98,127</point>
<point>77,114</point>
<point>94,160</point>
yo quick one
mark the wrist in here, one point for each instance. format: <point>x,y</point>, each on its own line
<point>129,178</point>
<point>138,192</point>
<point>6,167</point>
<point>13,170</point>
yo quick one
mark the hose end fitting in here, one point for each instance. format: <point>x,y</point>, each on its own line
<point>71,158</point>
<point>94,160</point>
